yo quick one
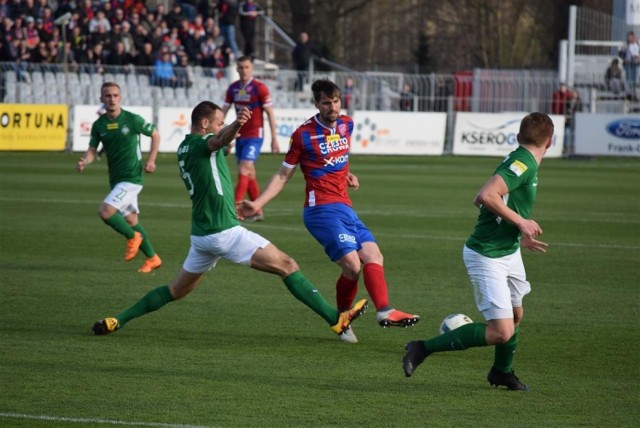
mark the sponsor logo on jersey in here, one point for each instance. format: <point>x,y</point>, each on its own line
<point>518,168</point>
<point>333,161</point>
<point>112,126</point>
<point>333,143</point>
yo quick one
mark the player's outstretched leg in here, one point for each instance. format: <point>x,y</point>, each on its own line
<point>347,317</point>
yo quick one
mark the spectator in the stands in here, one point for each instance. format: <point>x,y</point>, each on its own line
<point>40,54</point>
<point>47,23</point>
<point>559,99</point>
<point>613,77</point>
<point>163,72</point>
<point>175,16</point>
<point>149,22</point>
<point>127,38</point>
<point>227,23</point>
<point>96,58</point>
<point>86,11</point>
<point>118,17</point>
<point>145,58</point>
<point>184,73</point>
<point>31,34</point>
<point>248,11</point>
<point>98,20</point>
<point>101,36</point>
<point>118,56</point>
<point>140,37</point>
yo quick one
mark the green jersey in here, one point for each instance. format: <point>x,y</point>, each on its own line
<point>206,176</point>
<point>121,140</point>
<point>494,237</point>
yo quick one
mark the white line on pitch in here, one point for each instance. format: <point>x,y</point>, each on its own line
<point>95,421</point>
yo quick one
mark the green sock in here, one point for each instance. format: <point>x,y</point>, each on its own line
<point>505,353</point>
<point>467,336</point>
<point>303,290</point>
<point>153,300</point>
<point>120,225</point>
<point>146,246</point>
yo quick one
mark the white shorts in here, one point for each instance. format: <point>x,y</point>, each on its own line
<point>499,284</point>
<point>124,198</point>
<point>236,244</point>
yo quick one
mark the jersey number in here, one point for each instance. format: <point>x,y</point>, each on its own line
<point>187,178</point>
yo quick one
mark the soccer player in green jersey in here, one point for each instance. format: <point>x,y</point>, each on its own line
<point>119,131</point>
<point>216,232</point>
<point>493,259</point>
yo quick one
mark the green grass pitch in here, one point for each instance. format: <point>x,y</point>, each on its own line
<point>241,351</point>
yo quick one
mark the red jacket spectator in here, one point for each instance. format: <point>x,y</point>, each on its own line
<point>559,100</point>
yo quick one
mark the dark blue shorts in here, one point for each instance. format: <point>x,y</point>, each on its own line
<point>248,148</point>
<point>337,228</point>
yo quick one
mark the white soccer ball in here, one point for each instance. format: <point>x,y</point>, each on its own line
<point>453,321</point>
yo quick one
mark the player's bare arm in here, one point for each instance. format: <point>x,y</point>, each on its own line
<point>229,132</point>
<point>352,181</point>
<point>150,166</point>
<point>275,186</point>
<point>490,196</point>
<point>88,157</point>
<point>275,146</point>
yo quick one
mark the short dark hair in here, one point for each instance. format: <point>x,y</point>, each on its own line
<point>244,58</point>
<point>203,110</point>
<point>536,129</point>
<point>326,87</point>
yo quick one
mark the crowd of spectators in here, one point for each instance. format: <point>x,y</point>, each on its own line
<point>118,33</point>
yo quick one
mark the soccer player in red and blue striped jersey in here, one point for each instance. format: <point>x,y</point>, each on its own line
<point>321,147</point>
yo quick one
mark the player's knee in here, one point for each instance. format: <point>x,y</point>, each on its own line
<point>288,265</point>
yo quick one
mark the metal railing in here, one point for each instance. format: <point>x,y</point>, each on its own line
<point>477,91</point>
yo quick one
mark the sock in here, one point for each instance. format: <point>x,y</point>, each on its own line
<point>152,301</point>
<point>120,225</point>
<point>468,336</point>
<point>505,353</point>
<point>346,290</point>
<point>241,187</point>
<point>376,285</point>
<point>253,188</point>
<point>303,290</point>
<point>146,246</point>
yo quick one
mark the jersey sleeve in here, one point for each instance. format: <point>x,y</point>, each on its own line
<point>292,158</point>
<point>143,126</point>
<point>228,97</point>
<point>264,96</point>
<point>515,173</point>
<point>95,136</point>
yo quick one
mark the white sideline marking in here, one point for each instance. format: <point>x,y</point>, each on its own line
<point>594,217</point>
<point>95,421</point>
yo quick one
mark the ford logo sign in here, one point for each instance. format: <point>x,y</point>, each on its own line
<point>625,128</point>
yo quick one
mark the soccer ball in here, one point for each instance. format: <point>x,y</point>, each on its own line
<point>453,321</point>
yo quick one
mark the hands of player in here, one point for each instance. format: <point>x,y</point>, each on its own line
<point>352,181</point>
<point>245,209</point>
<point>81,165</point>
<point>149,167</point>
<point>243,116</point>
<point>534,244</point>
<point>529,229</point>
